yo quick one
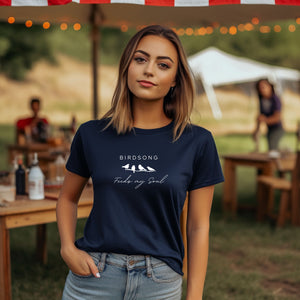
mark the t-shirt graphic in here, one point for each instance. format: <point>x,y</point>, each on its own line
<point>138,172</point>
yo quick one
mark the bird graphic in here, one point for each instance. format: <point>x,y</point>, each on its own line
<point>141,168</point>
<point>150,169</point>
<point>126,167</point>
<point>133,168</point>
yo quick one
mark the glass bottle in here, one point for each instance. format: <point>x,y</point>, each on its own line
<point>20,178</point>
<point>36,180</point>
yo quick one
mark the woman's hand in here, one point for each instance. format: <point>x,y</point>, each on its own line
<point>79,262</point>
<point>261,118</point>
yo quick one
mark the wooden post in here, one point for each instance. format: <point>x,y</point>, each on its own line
<point>41,243</point>
<point>5,272</point>
<point>96,20</point>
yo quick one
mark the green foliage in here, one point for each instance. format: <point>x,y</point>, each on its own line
<point>21,47</point>
<point>112,44</point>
<point>72,43</point>
<point>7,136</point>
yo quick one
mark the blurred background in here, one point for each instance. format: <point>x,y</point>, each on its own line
<point>248,260</point>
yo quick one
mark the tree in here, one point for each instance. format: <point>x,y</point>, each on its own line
<point>21,47</point>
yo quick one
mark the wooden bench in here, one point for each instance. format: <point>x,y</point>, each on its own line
<point>289,206</point>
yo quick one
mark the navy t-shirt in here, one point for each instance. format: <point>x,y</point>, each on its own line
<point>269,106</point>
<point>140,180</point>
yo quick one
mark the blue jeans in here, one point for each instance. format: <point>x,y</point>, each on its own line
<point>125,277</point>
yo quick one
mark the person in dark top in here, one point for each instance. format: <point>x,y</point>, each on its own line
<point>270,113</point>
<point>34,128</point>
<point>143,156</point>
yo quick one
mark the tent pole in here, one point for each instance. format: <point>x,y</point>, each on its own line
<point>95,20</point>
<point>212,99</point>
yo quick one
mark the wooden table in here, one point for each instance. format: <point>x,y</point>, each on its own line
<point>260,161</point>
<point>24,212</point>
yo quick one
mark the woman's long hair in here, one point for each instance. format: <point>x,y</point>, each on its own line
<point>178,103</point>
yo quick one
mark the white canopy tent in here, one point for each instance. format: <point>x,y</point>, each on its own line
<point>216,68</point>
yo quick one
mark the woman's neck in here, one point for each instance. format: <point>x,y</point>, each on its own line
<point>149,114</point>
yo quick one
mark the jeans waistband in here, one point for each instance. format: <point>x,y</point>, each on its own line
<point>128,262</point>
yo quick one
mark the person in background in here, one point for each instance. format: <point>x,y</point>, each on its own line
<point>270,114</point>
<point>34,128</point>
<point>143,157</point>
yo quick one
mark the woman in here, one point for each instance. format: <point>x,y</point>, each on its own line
<point>270,113</point>
<point>143,156</point>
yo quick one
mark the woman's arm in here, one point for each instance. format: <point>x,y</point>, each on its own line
<point>273,119</point>
<point>66,211</point>
<point>199,207</point>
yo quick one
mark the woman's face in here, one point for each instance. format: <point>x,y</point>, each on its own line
<point>265,89</point>
<point>152,71</point>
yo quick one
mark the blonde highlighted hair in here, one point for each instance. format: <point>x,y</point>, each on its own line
<point>178,103</point>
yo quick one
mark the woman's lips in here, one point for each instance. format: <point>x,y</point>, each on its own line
<point>146,83</point>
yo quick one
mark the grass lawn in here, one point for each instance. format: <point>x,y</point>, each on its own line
<point>248,260</point>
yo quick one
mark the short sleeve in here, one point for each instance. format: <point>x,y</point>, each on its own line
<point>77,160</point>
<point>277,104</point>
<point>207,168</point>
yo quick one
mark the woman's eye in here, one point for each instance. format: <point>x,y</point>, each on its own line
<point>139,59</point>
<point>164,66</point>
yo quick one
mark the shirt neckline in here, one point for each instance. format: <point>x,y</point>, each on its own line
<point>137,130</point>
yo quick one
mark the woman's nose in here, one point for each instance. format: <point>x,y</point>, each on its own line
<point>149,69</point>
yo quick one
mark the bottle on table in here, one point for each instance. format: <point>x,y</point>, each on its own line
<point>60,169</point>
<point>12,172</point>
<point>20,178</point>
<point>36,180</point>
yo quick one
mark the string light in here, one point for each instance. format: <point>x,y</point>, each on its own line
<point>46,25</point>
<point>249,27</point>
<point>189,31</point>
<point>124,28</point>
<point>28,23</point>
<point>277,28</point>
<point>209,29</point>
<point>264,29</point>
<point>180,31</point>
<point>292,28</point>
<point>223,30</point>
<point>11,20</point>
<point>201,31</point>
<point>63,26</point>
<point>76,26</point>
<point>232,30</point>
<point>255,21</point>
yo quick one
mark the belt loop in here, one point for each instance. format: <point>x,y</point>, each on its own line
<point>101,264</point>
<point>149,267</point>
